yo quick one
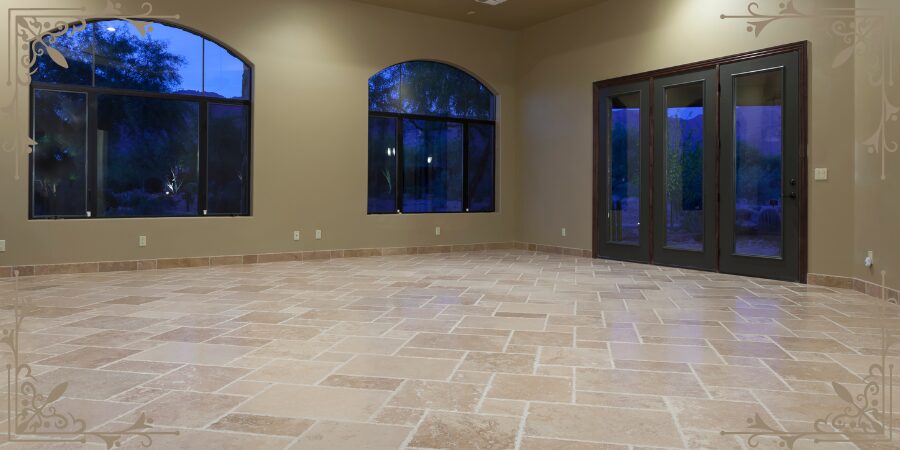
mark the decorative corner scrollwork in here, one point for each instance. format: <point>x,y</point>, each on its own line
<point>33,33</point>
<point>36,416</point>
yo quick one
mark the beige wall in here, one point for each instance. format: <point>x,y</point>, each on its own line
<point>312,61</point>
<point>876,210</point>
<point>313,58</point>
<point>558,61</point>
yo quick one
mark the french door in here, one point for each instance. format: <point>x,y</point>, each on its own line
<point>704,166</point>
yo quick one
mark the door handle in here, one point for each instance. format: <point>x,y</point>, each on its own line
<point>792,195</point>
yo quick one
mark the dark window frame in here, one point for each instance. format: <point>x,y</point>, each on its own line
<point>399,160</point>
<point>203,101</point>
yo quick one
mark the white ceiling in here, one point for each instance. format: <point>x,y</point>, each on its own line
<point>512,15</point>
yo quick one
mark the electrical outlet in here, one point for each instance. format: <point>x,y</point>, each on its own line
<point>142,241</point>
<point>318,234</point>
<point>2,246</point>
<point>296,235</point>
<point>563,232</point>
<point>437,231</point>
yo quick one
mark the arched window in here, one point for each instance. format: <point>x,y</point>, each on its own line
<point>431,140</point>
<point>134,124</point>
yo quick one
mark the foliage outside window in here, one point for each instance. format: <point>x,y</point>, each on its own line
<point>431,140</point>
<point>140,126</point>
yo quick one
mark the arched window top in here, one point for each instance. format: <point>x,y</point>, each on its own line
<point>114,54</point>
<point>430,88</point>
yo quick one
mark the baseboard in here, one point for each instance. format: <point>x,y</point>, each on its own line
<point>856,284</point>
<point>230,260</point>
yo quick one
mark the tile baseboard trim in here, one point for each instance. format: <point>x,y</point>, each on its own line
<point>856,284</point>
<point>229,260</point>
<point>835,281</point>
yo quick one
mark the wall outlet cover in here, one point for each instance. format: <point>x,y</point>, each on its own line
<point>318,234</point>
<point>2,246</point>
<point>296,235</point>
<point>821,174</point>
<point>437,231</point>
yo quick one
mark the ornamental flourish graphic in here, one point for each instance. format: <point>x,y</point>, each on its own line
<point>868,417</point>
<point>32,34</point>
<point>35,416</point>
<point>863,31</point>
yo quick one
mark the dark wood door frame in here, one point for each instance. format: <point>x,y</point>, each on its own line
<point>802,49</point>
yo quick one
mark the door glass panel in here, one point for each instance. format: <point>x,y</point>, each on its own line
<point>759,136</point>
<point>624,201</point>
<point>684,167</point>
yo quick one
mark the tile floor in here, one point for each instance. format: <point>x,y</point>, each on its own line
<point>486,350</point>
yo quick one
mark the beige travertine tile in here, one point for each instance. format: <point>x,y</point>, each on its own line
<point>466,431</point>
<point>499,362</point>
<point>664,353</point>
<point>399,367</point>
<point>399,416</point>
<point>380,346</point>
<point>458,342</point>
<point>318,402</point>
<point>338,435</point>
<point>587,423</point>
<point>90,384</point>
<point>294,372</point>
<point>638,382</point>
<point>530,387</point>
<point>438,395</point>
<point>185,352</point>
<point>187,409</point>
<point>739,377</point>
<point>584,357</point>
<point>248,423</point>
<point>198,378</point>
<point>88,357</point>
<point>350,381</point>
<point>445,350</point>
<point>535,443</point>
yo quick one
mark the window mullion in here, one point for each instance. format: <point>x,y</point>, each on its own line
<point>399,163</point>
<point>202,163</point>
<point>93,182</point>
<point>465,174</point>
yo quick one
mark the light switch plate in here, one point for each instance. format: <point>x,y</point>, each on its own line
<point>2,246</point>
<point>296,235</point>
<point>821,174</point>
<point>437,231</point>
<point>142,241</point>
<point>318,234</point>
<point>563,232</point>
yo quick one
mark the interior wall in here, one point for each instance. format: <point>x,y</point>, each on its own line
<point>876,210</point>
<point>312,62</point>
<point>559,60</point>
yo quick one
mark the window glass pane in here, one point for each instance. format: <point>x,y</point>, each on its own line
<point>384,90</point>
<point>147,156</point>
<point>481,167</point>
<point>226,76</point>
<point>758,133</point>
<point>228,159</point>
<point>625,169</point>
<point>432,166</point>
<point>167,59</point>
<point>436,89</point>
<point>60,156</point>
<point>684,167</point>
<point>382,165</point>
<point>75,48</point>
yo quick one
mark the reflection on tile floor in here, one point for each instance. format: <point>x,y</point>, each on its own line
<point>486,350</point>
